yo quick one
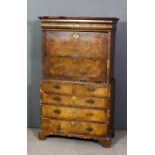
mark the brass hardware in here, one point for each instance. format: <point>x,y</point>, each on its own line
<point>89,129</point>
<point>58,129</point>
<point>90,101</point>
<point>89,114</point>
<point>57,111</point>
<point>76,36</point>
<point>91,89</point>
<point>57,98</point>
<point>73,123</point>
<point>56,86</point>
<point>73,98</point>
<point>76,26</point>
<point>73,109</point>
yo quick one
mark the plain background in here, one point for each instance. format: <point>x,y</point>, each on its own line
<point>98,8</point>
<point>141,75</point>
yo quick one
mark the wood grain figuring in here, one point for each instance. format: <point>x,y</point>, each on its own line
<point>77,88</point>
<point>87,26</point>
<point>88,45</point>
<point>80,101</point>
<point>55,87</point>
<point>92,91</point>
<point>73,127</point>
<point>74,88</point>
<point>83,69</point>
<point>77,59</point>
<point>60,112</point>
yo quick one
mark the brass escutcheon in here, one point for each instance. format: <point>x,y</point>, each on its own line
<point>73,109</point>
<point>76,36</point>
<point>73,123</point>
<point>73,98</point>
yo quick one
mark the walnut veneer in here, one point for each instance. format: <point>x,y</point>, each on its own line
<point>77,87</point>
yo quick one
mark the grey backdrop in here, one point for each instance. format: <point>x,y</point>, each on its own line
<point>115,8</point>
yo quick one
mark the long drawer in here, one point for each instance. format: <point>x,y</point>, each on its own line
<point>86,89</point>
<point>73,127</point>
<point>80,114</point>
<point>75,101</point>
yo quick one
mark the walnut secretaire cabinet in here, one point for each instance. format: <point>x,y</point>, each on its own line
<point>77,89</point>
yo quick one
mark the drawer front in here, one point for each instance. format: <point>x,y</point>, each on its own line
<point>56,99</point>
<point>76,26</point>
<point>91,102</point>
<point>71,100</point>
<point>92,90</point>
<point>77,44</point>
<point>73,127</point>
<point>56,87</point>
<point>74,113</point>
<point>78,69</point>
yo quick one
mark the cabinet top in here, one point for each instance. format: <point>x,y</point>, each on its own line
<point>84,19</point>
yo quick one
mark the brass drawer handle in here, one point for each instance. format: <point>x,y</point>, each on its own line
<point>57,98</point>
<point>56,86</point>
<point>91,89</point>
<point>58,129</point>
<point>89,129</point>
<point>57,111</point>
<point>76,36</point>
<point>90,101</point>
<point>89,114</point>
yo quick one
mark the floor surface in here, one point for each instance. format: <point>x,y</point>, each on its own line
<point>71,146</point>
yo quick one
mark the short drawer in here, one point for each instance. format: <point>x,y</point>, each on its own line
<point>102,91</point>
<point>56,87</point>
<point>55,98</point>
<point>73,127</point>
<point>80,114</point>
<point>71,100</point>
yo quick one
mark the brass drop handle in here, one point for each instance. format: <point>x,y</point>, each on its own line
<point>57,98</point>
<point>91,89</point>
<point>90,101</point>
<point>89,129</point>
<point>89,114</point>
<point>58,129</point>
<point>56,86</point>
<point>57,111</point>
